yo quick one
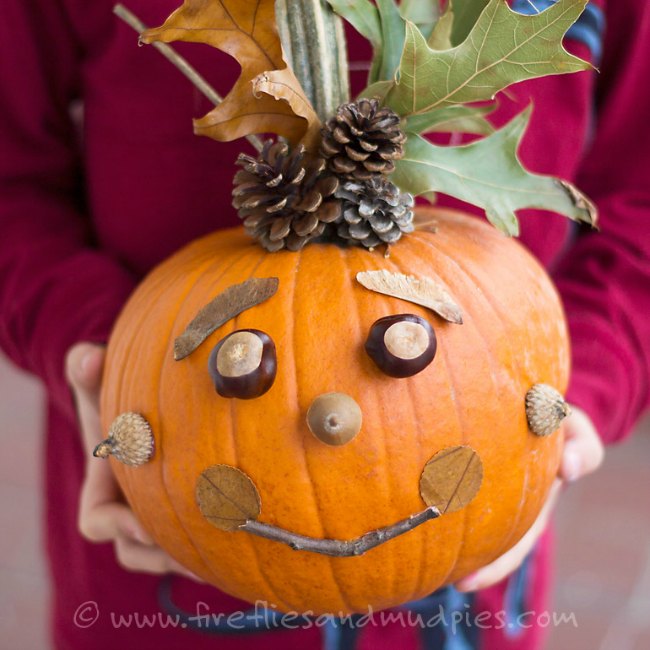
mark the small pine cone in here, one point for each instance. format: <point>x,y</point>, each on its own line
<point>129,440</point>
<point>374,212</point>
<point>285,198</point>
<point>362,140</point>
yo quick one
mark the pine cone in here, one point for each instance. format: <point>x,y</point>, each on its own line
<point>285,198</point>
<point>374,212</point>
<point>362,140</point>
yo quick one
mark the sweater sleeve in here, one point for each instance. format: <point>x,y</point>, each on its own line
<point>604,278</point>
<point>56,286</point>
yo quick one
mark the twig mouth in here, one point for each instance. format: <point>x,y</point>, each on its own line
<point>336,547</point>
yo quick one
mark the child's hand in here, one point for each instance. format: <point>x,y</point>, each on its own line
<point>103,515</point>
<point>583,453</point>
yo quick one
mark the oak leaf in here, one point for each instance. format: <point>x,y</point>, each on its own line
<point>247,31</point>
<point>489,174</point>
<point>502,48</point>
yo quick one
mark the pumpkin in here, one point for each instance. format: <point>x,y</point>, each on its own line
<point>471,396</point>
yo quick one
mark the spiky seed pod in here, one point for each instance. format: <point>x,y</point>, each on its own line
<point>285,197</point>
<point>129,440</point>
<point>362,140</point>
<point>374,212</point>
<point>545,409</point>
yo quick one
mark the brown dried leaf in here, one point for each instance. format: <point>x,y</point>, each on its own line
<point>283,86</point>
<point>425,292</point>
<point>226,497</point>
<point>228,304</point>
<point>581,201</point>
<point>451,479</point>
<point>247,31</point>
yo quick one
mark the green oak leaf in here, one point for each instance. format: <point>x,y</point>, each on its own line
<point>466,13</point>
<point>502,48</point>
<point>393,33</point>
<point>363,16</point>
<point>383,26</point>
<point>377,90</point>
<point>488,173</point>
<point>452,119</point>
<point>424,13</point>
<point>440,38</point>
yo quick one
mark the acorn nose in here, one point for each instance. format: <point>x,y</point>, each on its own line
<point>334,418</point>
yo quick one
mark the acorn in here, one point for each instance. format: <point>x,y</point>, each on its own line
<point>243,364</point>
<point>545,409</point>
<point>129,440</point>
<point>402,345</point>
<point>334,418</point>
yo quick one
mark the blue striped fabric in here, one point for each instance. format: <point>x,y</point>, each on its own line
<point>447,618</point>
<point>589,28</point>
<point>515,598</point>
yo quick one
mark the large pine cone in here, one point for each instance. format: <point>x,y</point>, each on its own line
<point>374,212</point>
<point>285,198</point>
<point>362,140</point>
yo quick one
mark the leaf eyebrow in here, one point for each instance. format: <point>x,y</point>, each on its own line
<point>425,292</point>
<point>227,305</point>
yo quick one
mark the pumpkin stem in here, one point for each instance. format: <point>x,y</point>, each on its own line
<point>313,39</point>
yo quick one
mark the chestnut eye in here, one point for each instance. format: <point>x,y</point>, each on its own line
<point>401,345</point>
<point>243,364</point>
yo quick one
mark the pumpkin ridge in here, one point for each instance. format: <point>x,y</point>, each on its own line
<point>124,352</point>
<point>212,261</point>
<point>459,416</point>
<point>250,542</point>
<point>233,436</point>
<point>422,555</point>
<point>126,389</point>
<point>329,560</point>
<point>429,242</point>
<point>496,308</point>
<point>442,350</point>
<point>463,271</point>
<point>365,261</point>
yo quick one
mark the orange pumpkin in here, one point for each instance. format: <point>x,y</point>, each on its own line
<point>513,336</point>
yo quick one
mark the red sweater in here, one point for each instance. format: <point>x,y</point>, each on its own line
<point>86,212</point>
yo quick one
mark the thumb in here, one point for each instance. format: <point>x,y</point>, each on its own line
<point>583,449</point>
<point>105,522</point>
<point>84,366</point>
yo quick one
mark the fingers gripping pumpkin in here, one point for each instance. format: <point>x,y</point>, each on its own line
<point>386,490</point>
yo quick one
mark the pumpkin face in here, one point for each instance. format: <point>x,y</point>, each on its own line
<point>472,394</point>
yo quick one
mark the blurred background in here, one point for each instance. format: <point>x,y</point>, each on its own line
<point>603,538</point>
